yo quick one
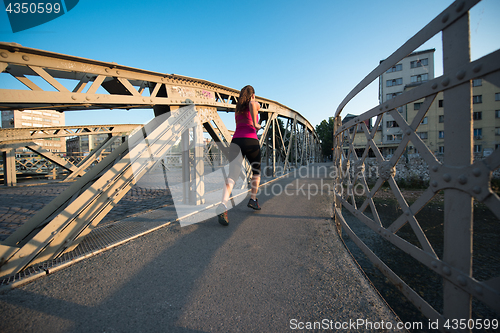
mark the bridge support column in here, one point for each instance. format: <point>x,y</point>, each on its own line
<point>9,167</point>
<point>458,205</point>
<point>193,166</point>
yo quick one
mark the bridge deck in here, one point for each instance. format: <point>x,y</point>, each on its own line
<point>265,270</point>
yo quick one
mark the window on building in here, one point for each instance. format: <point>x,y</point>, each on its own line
<point>497,130</point>
<point>397,68</point>
<point>477,99</point>
<point>441,119</point>
<point>497,113</point>
<point>400,109</point>
<point>416,106</point>
<point>419,63</point>
<point>419,78</point>
<point>424,121</point>
<point>391,96</point>
<point>477,115</point>
<point>497,96</point>
<point>391,124</point>
<point>477,82</point>
<point>478,133</point>
<point>440,103</point>
<point>441,134</point>
<point>422,135</point>
<point>441,149</point>
<point>497,146</point>
<point>394,82</point>
<point>478,148</point>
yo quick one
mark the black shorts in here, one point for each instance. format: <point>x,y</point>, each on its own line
<point>243,147</point>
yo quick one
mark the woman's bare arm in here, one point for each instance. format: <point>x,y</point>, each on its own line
<point>254,112</point>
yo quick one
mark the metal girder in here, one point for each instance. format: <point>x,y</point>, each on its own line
<point>14,135</point>
<point>51,157</point>
<point>84,84</point>
<point>90,158</point>
<point>124,86</point>
<point>460,177</point>
<point>61,225</point>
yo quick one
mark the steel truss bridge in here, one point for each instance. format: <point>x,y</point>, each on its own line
<point>183,108</point>
<point>462,179</point>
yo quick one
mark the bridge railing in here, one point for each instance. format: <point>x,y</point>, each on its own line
<point>455,175</point>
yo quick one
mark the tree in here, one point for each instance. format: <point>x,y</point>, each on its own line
<point>325,134</point>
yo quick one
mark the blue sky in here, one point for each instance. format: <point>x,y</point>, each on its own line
<point>307,55</point>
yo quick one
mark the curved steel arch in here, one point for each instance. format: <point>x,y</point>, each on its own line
<point>94,85</point>
<point>125,86</point>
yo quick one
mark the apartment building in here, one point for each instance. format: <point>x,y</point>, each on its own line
<point>411,72</point>
<point>485,117</point>
<point>415,69</point>
<point>34,119</point>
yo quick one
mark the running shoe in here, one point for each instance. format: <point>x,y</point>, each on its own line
<point>222,215</point>
<point>254,204</point>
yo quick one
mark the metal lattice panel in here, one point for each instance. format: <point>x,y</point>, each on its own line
<point>462,179</point>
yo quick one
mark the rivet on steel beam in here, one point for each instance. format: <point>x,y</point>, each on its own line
<point>408,131</point>
<point>462,179</point>
<point>434,183</point>
<point>447,270</point>
<point>435,168</point>
<point>434,85</point>
<point>408,212</point>
<point>118,72</point>
<point>446,81</point>
<point>476,172</point>
<point>387,106</point>
<point>461,74</point>
<point>74,97</point>
<point>445,18</point>
<point>107,70</point>
<point>4,55</point>
<point>446,177</point>
<point>26,58</point>
<point>460,7</point>
<point>476,189</point>
<point>87,98</point>
<point>434,264</point>
<point>462,280</point>
<point>477,68</point>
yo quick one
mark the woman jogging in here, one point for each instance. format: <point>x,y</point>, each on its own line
<point>244,144</point>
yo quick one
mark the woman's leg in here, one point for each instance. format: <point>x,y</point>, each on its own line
<point>255,186</point>
<point>226,191</point>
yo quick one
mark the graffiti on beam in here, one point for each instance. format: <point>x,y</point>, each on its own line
<point>193,93</point>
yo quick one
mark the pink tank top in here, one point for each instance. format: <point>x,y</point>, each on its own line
<point>244,125</point>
